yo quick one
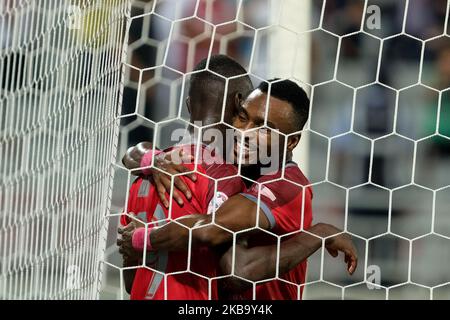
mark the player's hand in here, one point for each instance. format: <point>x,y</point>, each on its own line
<point>172,163</point>
<point>343,243</point>
<point>132,158</point>
<point>125,242</point>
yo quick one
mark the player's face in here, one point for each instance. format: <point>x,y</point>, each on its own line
<point>262,142</point>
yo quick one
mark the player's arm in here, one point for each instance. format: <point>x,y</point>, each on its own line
<point>140,156</point>
<point>129,274</point>
<point>259,263</point>
<point>235,214</point>
<point>130,258</point>
<point>133,157</point>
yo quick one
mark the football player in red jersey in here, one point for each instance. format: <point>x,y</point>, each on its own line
<point>149,204</point>
<point>144,202</point>
<point>280,206</point>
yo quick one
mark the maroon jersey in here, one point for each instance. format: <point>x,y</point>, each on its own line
<point>287,206</point>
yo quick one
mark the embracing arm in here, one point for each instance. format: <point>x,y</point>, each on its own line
<point>128,274</point>
<point>259,263</point>
<point>164,169</point>
<point>133,157</point>
<point>130,257</point>
<point>237,213</point>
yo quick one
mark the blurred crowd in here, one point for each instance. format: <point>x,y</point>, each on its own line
<point>409,100</point>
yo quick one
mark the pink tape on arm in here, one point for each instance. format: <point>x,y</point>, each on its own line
<point>138,239</point>
<point>146,161</point>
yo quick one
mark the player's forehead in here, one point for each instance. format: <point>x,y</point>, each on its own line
<point>255,97</point>
<point>279,111</point>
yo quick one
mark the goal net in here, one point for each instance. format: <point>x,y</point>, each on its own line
<point>81,81</point>
<point>60,93</point>
<point>375,147</point>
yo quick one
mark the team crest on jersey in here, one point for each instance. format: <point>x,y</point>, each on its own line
<point>216,202</point>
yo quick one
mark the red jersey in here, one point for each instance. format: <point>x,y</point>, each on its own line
<point>288,207</point>
<point>144,202</point>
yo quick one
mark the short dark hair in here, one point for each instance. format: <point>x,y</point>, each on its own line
<point>291,92</point>
<point>222,65</point>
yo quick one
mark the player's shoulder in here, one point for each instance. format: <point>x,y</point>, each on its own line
<point>208,161</point>
<point>136,183</point>
<point>141,188</point>
<point>288,186</point>
<point>292,173</point>
<point>141,180</point>
<point>214,163</point>
<point>221,170</point>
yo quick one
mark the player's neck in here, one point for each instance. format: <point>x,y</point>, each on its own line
<point>254,172</point>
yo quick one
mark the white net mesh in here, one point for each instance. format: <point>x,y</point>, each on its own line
<point>375,148</point>
<point>60,76</point>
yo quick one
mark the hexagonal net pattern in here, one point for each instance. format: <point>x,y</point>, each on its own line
<point>60,91</point>
<point>375,147</point>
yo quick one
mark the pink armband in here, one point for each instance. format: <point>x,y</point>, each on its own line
<point>146,161</point>
<point>138,239</point>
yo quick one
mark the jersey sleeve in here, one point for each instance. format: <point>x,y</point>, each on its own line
<point>283,203</point>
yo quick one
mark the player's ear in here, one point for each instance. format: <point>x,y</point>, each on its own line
<point>293,141</point>
<point>237,101</point>
<point>188,104</point>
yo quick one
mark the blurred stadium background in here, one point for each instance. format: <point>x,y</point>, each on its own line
<point>359,127</point>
